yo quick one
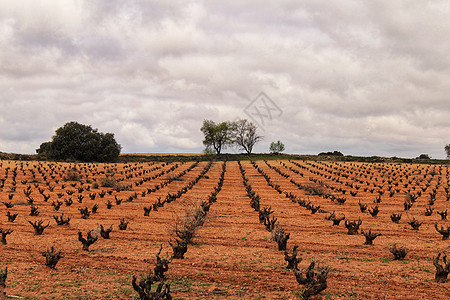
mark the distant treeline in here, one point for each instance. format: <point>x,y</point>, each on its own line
<point>15,156</point>
<point>324,156</point>
<point>334,153</point>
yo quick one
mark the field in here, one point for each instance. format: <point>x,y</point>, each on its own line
<point>232,254</point>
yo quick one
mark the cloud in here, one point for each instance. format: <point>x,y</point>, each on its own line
<point>365,78</point>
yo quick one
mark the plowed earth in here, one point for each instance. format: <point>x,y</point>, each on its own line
<point>233,255</point>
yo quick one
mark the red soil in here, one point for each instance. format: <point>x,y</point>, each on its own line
<point>233,256</point>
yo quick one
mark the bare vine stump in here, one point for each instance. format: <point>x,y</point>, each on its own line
<point>38,227</point>
<point>179,248</point>
<point>441,270</point>
<point>370,236</point>
<point>4,234</point>
<point>254,203</point>
<point>61,221</point>
<point>105,233</point>
<point>123,224</point>
<point>205,205</point>
<point>374,211</point>
<point>109,204</point>
<point>407,204</point>
<point>88,241</point>
<point>52,257</point>
<point>362,207</point>
<point>399,253</point>
<point>8,204</point>
<point>34,211</point>
<point>57,205</point>
<point>270,224</point>
<point>428,211</point>
<point>95,208</point>
<point>445,232</point>
<point>378,199</point>
<point>3,275</point>
<point>280,237</point>
<point>68,202</point>
<point>352,226</point>
<point>415,224</point>
<point>396,217</point>
<point>292,260</point>
<point>162,266</point>
<point>186,233</point>
<point>144,289</point>
<point>443,214</point>
<point>11,217</point>
<point>198,218</point>
<point>313,208</point>
<point>315,280</point>
<point>85,213</point>
<point>264,213</point>
<point>147,211</point>
<point>341,200</point>
<point>336,220</point>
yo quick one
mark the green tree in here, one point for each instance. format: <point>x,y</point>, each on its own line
<point>276,147</point>
<point>217,136</point>
<point>245,136</point>
<point>44,148</point>
<point>447,150</point>
<point>75,141</point>
<point>423,156</point>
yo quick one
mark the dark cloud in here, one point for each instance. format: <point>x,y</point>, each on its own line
<point>368,78</point>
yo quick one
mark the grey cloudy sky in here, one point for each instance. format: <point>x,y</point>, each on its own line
<point>362,77</point>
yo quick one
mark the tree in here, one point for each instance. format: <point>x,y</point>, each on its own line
<point>329,153</point>
<point>245,136</point>
<point>423,156</point>
<point>447,150</point>
<point>276,147</point>
<point>75,141</point>
<point>217,136</point>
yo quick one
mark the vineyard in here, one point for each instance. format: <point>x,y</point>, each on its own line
<point>249,229</point>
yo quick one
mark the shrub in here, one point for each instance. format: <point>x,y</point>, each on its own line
<point>72,175</point>
<point>109,182</point>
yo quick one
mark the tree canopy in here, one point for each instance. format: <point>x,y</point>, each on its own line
<point>276,147</point>
<point>245,135</point>
<point>75,141</point>
<point>447,150</point>
<point>217,136</point>
<point>241,134</point>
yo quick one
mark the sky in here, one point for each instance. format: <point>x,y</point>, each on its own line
<point>361,77</point>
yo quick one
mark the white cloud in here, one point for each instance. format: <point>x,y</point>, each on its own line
<point>366,78</point>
